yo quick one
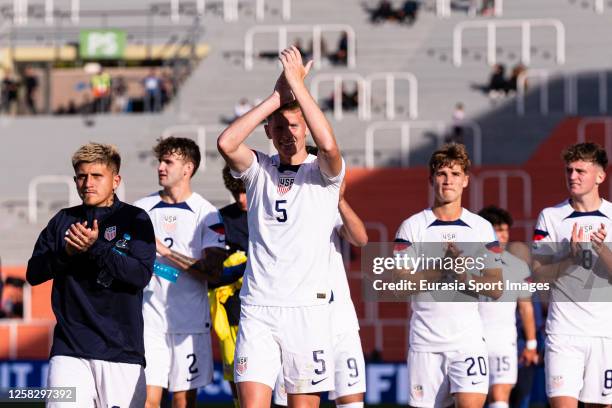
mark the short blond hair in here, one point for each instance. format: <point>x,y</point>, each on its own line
<point>98,153</point>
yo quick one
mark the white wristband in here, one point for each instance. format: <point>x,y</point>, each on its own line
<point>531,344</point>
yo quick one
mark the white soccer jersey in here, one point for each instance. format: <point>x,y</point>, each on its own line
<point>577,307</point>
<point>499,316</point>
<point>344,317</point>
<point>187,227</point>
<point>441,326</point>
<point>292,212</point>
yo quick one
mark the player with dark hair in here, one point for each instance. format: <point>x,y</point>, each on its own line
<point>189,236</point>
<point>571,250</point>
<point>292,199</point>
<point>499,317</point>
<point>447,356</point>
<point>100,256</point>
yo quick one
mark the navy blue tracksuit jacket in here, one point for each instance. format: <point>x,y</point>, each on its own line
<point>97,295</point>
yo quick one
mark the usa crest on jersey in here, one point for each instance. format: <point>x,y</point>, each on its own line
<point>169,223</point>
<point>284,184</point>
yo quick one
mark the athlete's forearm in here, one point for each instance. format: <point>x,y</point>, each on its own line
<point>525,308</point>
<point>550,272</point>
<point>198,268</point>
<point>353,229</point>
<point>231,143</point>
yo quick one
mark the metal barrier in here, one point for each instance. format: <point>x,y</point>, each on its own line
<point>607,124</point>
<point>477,191</point>
<point>315,30</point>
<point>260,9</point>
<point>73,197</point>
<point>524,25</point>
<point>390,78</point>
<point>443,8</point>
<point>405,133</point>
<point>570,91</point>
<point>338,80</point>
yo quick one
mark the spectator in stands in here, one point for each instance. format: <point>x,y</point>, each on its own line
<point>30,82</point>
<point>497,81</point>
<point>340,56</point>
<point>408,12</point>
<point>153,92</point>
<point>12,305</point>
<point>512,85</point>
<point>9,89</point>
<point>101,86</point>
<point>384,12</point>
<point>350,99</point>
<point>121,100</point>
<point>168,87</point>
<point>458,120</point>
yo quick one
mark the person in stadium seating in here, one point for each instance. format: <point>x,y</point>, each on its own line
<point>190,244</point>
<point>152,92</point>
<point>383,12</point>
<point>30,83</point>
<point>408,12</point>
<point>224,296</point>
<point>100,256</point>
<point>570,250</point>
<point>293,199</point>
<point>447,356</point>
<point>497,81</point>
<point>9,88</point>
<point>340,56</point>
<point>101,87</point>
<point>499,317</point>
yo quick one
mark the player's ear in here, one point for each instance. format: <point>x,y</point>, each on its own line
<point>189,168</point>
<point>116,181</point>
<point>466,180</point>
<point>601,176</point>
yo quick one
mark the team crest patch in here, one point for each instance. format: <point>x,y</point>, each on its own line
<point>169,223</point>
<point>284,184</point>
<point>110,233</point>
<point>241,365</point>
<point>417,392</point>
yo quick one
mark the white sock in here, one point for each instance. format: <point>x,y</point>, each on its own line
<point>351,405</point>
<point>498,404</point>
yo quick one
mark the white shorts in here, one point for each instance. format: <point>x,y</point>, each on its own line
<point>503,362</point>
<point>433,377</point>
<point>350,369</point>
<point>301,335</point>
<point>579,367</point>
<point>98,383</point>
<point>178,362</point>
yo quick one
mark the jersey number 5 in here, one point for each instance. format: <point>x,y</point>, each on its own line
<point>280,210</point>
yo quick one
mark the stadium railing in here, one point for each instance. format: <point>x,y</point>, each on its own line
<point>282,42</point>
<point>390,78</point>
<point>570,91</point>
<point>338,80</point>
<point>477,188</point>
<point>607,126</point>
<point>525,27</point>
<point>443,8</point>
<point>406,128</point>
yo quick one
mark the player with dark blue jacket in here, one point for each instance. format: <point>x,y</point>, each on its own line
<point>100,256</point>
